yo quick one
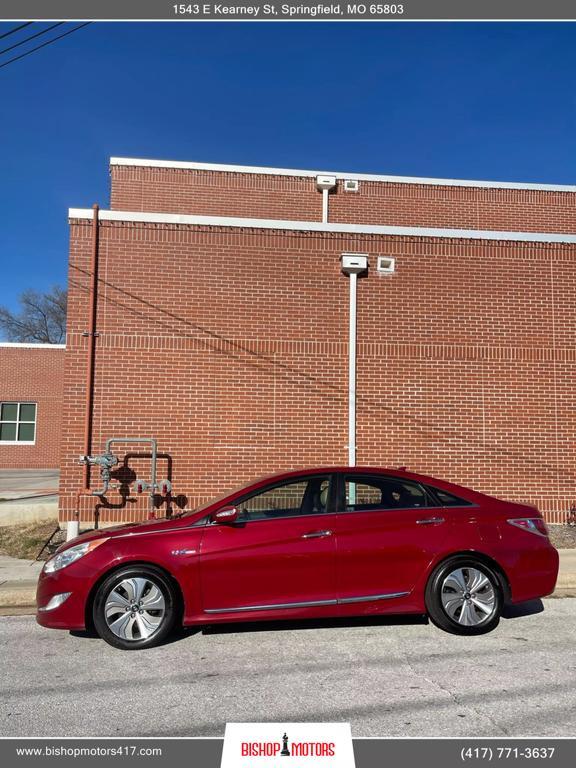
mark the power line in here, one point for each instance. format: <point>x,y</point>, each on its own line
<point>48,42</point>
<point>11,31</point>
<point>27,39</point>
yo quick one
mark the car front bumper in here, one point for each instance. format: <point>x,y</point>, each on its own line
<point>71,613</point>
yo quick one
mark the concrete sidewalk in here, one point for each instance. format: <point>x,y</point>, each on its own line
<point>18,582</point>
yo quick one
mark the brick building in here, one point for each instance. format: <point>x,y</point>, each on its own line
<point>222,322</point>
<point>31,385</point>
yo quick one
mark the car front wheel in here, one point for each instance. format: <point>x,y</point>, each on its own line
<point>135,607</point>
<point>464,597</point>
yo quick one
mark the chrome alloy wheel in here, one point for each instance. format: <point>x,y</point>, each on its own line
<point>135,609</point>
<point>468,597</point>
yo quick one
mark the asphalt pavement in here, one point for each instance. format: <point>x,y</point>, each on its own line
<point>397,677</point>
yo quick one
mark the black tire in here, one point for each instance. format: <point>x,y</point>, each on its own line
<point>158,619</point>
<point>442,598</point>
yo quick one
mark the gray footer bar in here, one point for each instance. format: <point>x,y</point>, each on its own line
<point>369,753</point>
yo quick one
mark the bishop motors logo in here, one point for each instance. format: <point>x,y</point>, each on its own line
<point>285,749</point>
<point>288,745</point>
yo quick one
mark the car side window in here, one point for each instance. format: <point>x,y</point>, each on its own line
<point>366,493</point>
<point>306,496</point>
<point>449,500</point>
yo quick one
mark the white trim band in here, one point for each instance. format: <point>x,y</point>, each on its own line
<point>264,171</point>
<point>315,226</point>
<point>31,345</point>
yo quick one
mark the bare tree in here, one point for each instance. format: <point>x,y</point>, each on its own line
<point>42,317</point>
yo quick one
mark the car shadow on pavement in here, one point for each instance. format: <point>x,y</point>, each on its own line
<point>528,608</point>
<point>182,633</point>
<point>333,623</point>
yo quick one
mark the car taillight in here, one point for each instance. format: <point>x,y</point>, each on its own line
<point>531,524</point>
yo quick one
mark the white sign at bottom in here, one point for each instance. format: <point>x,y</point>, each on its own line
<point>288,745</point>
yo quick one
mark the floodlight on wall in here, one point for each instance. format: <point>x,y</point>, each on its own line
<point>351,185</point>
<point>325,182</point>
<point>354,263</point>
<point>385,265</point>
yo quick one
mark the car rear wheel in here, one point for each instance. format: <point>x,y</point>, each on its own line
<point>464,597</point>
<point>135,607</point>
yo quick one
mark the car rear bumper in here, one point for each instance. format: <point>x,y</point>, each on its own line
<point>534,573</point>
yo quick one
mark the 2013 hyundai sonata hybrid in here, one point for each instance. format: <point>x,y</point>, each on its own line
<point>317,543</point>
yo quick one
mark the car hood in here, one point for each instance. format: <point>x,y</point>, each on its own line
<point>127,528</point>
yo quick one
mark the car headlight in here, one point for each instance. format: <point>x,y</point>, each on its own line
<point>68,556</point>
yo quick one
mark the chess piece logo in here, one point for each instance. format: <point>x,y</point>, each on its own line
<point>285,751</point>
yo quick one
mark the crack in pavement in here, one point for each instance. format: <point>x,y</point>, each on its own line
<point>454,696</point>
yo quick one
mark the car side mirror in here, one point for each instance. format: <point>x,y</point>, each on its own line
<point>225,515</point>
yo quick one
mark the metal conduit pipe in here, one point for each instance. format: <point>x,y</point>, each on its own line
<point>154,458</point>
<point>91,350</point>
<point>73,526</point>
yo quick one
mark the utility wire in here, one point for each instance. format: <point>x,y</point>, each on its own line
<point>26,39</point>
<point>53,40</point>
<point>11,31</point>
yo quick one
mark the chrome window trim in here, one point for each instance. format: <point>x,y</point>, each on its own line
<point>400,509</point>
<point>308,604</point>
<point>242,523</point>
<point>380,510</point>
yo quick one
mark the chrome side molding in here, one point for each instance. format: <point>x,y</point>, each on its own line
<point>369,598</point>
<point>310,604</point>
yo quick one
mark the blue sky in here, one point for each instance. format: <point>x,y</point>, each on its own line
<point>479,101</point>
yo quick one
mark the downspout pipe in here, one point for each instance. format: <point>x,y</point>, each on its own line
<point>325,193</point>
<point>353,265</point>
<point>352,371</point>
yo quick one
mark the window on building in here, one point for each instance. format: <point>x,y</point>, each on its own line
<point>18,423</point>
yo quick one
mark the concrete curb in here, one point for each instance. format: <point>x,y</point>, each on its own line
<point>18,594</point>
<point>27,512</point>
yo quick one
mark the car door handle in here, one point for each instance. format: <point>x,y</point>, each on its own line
<point>431,521</point>
<point>316,534</point>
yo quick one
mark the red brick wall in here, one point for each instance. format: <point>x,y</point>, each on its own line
<point>230,347</point>
<point>34,375</point>
<point>219,193</point>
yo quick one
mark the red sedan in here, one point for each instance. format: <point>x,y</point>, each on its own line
<point>315,543</point>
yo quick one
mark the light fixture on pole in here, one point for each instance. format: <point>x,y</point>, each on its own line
<point>324,184</point>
